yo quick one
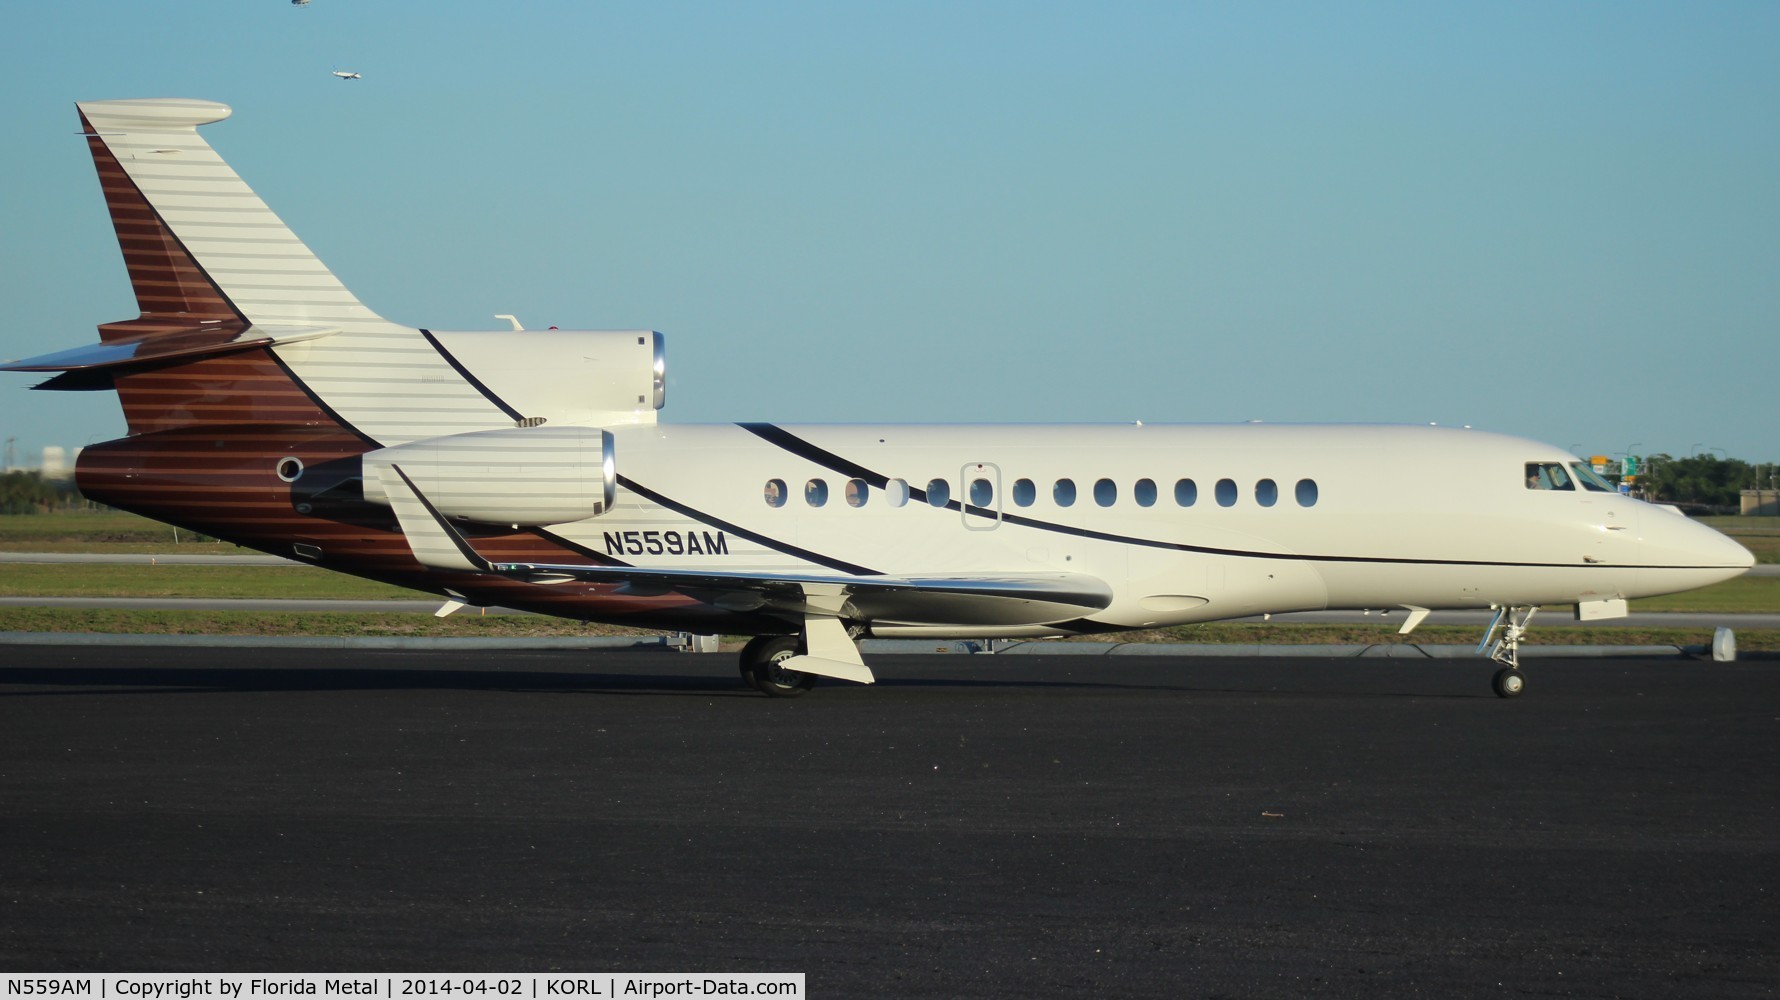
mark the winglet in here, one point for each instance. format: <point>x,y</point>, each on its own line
<point>434,541</point>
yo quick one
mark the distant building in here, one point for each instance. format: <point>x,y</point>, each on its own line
<point>1761,502</point>
<point>55,463</point>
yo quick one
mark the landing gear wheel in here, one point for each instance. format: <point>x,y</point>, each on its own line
<point>1509,682</point>
<point>761,659</point>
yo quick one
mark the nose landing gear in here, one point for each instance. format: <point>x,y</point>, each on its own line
<point>1512,623</point>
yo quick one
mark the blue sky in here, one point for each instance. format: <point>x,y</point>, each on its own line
<point>1560,220</point>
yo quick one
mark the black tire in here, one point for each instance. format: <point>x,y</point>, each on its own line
<point>1509,683</point>
<point>760,666</point>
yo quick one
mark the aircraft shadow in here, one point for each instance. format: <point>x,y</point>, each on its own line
<point>194,680</point>
<point>64,681</point>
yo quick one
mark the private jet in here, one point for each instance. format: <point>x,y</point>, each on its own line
<point>266,405</point>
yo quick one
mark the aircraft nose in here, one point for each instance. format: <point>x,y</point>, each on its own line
<point>1681,554</point>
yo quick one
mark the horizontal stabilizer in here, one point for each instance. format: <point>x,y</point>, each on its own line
<point>155,348</point>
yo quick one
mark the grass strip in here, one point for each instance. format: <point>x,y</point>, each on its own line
<point>297,623</point>
<point>132,580</point>
<point>1743,595</point>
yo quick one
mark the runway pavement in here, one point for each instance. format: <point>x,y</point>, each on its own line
<point>971,826</point>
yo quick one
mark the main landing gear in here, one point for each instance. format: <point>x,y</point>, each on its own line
<point>1512,623</point>
<point>785,666</point>
<point>762,668</point>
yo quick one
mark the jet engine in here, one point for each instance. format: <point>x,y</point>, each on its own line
<point>520,476</point>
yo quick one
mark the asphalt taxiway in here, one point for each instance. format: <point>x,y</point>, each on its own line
<point>970,826</point>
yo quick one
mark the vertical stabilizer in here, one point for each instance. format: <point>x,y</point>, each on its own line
<point>240,322</point>
<point>211,264</point>
<point>199,244</point>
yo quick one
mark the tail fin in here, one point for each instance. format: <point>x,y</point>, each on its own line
<point>240,322</point>
<point>172,291</point>
<point>200,246</point>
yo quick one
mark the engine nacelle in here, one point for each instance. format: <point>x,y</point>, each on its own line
<point>525,476</point>
<point>598,378</point>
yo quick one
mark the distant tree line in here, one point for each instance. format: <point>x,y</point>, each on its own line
<point>1706,479</point>
<point>29,493</point>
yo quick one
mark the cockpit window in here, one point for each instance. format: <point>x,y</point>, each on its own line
<point>1590,479</point>
<point>1548,476</point>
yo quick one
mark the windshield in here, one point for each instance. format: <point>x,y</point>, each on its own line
<point>1590,479</point>
<point>1548,476</point>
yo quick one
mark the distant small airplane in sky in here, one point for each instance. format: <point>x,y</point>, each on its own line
<point>344,74</point>
<point>299,3</point>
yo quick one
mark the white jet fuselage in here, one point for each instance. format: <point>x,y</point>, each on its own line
<point>1184,523</point>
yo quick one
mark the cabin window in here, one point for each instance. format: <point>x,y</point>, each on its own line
<point>1267,493</point>
<point>1186,492</point>
<point>1548,476</point>
<point>1144,492</point>
<point>982,493</point>
<point>1064,493</point>
<point>775,493</point>
<point>1106,492</point>
<point>1590,479</point>
<point>1226,492</point>
<point>938,493</point>
<point>1024,492</point>
<point>857,492</point>
<point>1306,492</point>
<point>896,492</point>
<point>815,492</point>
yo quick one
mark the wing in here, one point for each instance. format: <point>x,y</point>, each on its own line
<point>951,599</point>
<point>1000,599</point>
